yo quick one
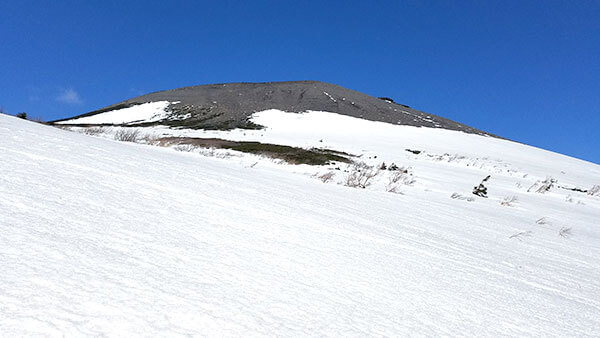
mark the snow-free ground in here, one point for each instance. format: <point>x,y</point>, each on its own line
<point>100,237</point>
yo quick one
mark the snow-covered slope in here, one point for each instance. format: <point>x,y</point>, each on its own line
<point>389,142</point>
<point>146,112</point>
<point>107,238</point>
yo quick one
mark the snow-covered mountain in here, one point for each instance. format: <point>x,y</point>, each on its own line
<point>195,231</point>
<point>230,105</point>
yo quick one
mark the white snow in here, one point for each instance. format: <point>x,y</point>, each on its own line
<point>146,112</point>
<point>389,143</point>
<point>330,97</point>
<point>118,239</point>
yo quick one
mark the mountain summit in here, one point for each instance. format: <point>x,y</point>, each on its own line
<point>230,105</point>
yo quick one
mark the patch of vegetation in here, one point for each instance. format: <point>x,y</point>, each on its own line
<point>575,189</point>
<point>93,131</point>
<point>292,155</point>
<point>127,135</point>
<point>289,154</point>
<point>212,123</point>
<point>481,190</point>
<point>416,152</point>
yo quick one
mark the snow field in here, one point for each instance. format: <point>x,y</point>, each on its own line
<point>107,238</point>
<point>147,112</point>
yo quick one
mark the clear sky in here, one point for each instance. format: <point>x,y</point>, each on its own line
<point>525,70</point>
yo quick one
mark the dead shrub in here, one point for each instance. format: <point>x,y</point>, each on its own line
<point>457,196</point>
<point>184,148</point>
<point>151,139</point>
<point>360,175</point>
<point>519,235</point>
<point>565,232</point>
<point>543,220</point>
<point>509,200</point>
<point>93,131</point>
<point>402,176</point>
<point>544,186</point>
<point>326,177</point>
<point>127,135</point>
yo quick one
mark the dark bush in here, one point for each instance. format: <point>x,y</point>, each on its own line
<point>481,190</point>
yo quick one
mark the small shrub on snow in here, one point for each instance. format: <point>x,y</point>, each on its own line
<point>457,196</point>
<point>393,167</point>
<point>360,175</point>
<point>594,191</point>
<point>565,232</point>
<point>393,189</point>
<point>184,148</point>
<point>400,177</point>
<point>152,140</point>
<point>326,177</point>
<point>509,200</point>
<point>93,131</point>
<point>543,220</point>
<point>212,152</point>
<point>521,234</point>
<point>542,186</point>
<point>127,135</point>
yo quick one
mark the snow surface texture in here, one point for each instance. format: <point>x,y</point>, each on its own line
<point>108,238</point>
<point>147,112</point>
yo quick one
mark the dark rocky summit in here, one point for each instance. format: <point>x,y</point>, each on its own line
<point>229,105</point>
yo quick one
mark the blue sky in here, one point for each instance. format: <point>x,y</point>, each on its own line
<point>526,70</point>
